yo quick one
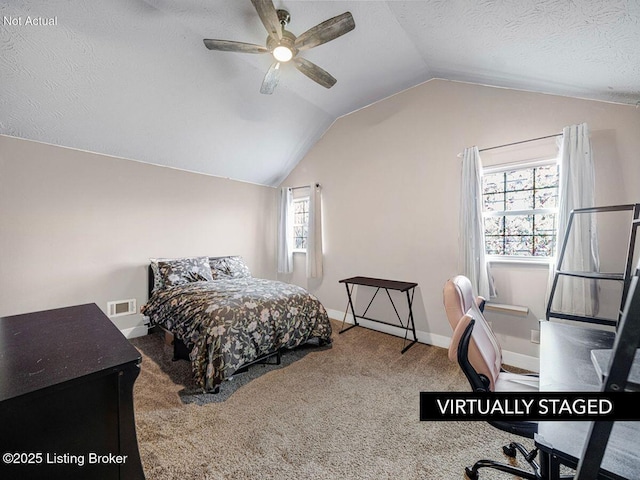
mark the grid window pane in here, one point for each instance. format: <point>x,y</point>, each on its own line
<point>546,198</point>
<point>494,226</point>
<point>517,180</point>
<point>494,244</point>
<point>518,245</point>
<point>547,176</point>
<point>493,202</point>
<point>300,223</point>
<point>519,200</point>
<point>545,224</point>
<point>493,182</point>
<point>528,189</point>
<point>544,245</point>
<point>518,225</point>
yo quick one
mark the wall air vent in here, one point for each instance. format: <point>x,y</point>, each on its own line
<point>121,307</point>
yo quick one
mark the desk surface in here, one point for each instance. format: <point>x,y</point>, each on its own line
<point>566,365</point>
<point>381,283</point>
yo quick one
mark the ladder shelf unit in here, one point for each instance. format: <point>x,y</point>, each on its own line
<point>624,276</point>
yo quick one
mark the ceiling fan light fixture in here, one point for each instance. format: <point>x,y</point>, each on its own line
<point>284,46</point>
<point>282,53</point>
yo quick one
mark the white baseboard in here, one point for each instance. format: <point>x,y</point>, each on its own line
<point>131,326</point>
<point>510,358</point>
<point>134,332</point>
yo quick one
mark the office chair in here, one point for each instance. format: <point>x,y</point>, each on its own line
<point>477,351</point>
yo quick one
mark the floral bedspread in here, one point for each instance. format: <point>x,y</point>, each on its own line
<point>229,322</point>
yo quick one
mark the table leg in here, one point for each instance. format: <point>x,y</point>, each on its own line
<point>410,320</point>
<point>353,312</point>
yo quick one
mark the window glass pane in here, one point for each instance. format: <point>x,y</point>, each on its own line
<point>518,225</point>
<point>297,207</point>
<point>544,245</point>
<point>545,224</point>
<point>546,198</point>
<point>493,202</point>
<point>518,245</point>
<point>519,200</point>
<point>546,176</point>
<point>519,179</point>
<point>493,182</point>
<point>494,245</point>
<point>527,189</point>
<point>300,221</point>
<point>494,225</point>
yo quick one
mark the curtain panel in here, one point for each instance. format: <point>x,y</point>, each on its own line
<point>285,232</point>
<point>314,232</point>
<point>577,190</point>
<point>473,263</point>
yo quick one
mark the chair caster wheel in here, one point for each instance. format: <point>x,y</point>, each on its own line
<point>509,451</point>
<point>471,475</point>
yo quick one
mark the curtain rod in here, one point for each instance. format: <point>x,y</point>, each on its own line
<point>522,141</point>
<point>516,143</point>
<point>303,186</point>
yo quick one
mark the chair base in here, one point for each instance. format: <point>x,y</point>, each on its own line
<point>509,450</point>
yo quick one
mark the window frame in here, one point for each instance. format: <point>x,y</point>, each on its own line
<point>295,200</point>
<point>522,165</point>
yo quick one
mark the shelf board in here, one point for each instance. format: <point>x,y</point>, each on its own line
<point>594,275</point>
<point>601,359</point>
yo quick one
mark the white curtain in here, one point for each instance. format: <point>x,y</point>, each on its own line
<point>577,190</point>
<point>285,232</point>
<point>472,247</point>
<point>314,232</point>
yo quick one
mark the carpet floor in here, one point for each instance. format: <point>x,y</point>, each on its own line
<point>347,411</point>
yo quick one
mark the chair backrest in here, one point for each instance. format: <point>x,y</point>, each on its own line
<point>485,354</point>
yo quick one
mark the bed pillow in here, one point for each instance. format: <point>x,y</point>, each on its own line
<point>158,284</point>
<point>237,267</point>
<point>234,267</point>
<point>219,267</point>
<point>184,270</point>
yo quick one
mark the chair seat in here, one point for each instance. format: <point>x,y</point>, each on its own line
<point>516,382</point>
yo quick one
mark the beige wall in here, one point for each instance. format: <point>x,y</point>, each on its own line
<point>78,227</point>
<point>390,177</point>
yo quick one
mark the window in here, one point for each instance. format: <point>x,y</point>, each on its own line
<point>520,208</point>
<point>300,223</point>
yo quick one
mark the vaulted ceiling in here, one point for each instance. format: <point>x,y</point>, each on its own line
<point>133,79</point>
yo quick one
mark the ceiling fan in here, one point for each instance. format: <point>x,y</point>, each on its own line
<point>285,46</point>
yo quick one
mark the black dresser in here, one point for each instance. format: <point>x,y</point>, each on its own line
<point>66,397</point>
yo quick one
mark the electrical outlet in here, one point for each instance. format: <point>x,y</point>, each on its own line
<point>535,336</point>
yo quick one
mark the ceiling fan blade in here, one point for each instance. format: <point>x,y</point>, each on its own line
<point>231,46</point>
<point>314,72</point>
<point>271,79</point>
<point>269,16</point>
<point>325,31</point>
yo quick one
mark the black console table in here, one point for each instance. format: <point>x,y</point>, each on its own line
<point>66,397</point>
<point>386,285</point>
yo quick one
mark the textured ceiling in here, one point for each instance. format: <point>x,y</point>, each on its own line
<point>132,78</point>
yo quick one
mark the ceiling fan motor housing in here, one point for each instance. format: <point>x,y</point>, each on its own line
<point>287,41</point>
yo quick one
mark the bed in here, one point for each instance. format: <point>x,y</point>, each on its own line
<point>224,319</point>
